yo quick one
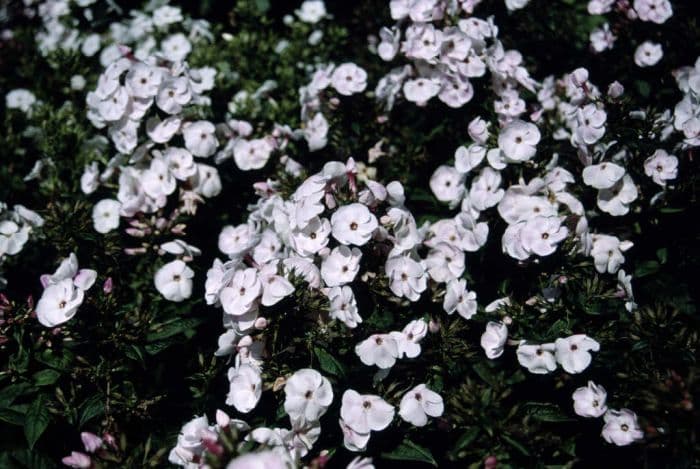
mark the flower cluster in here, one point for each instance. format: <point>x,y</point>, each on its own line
<point>15,227</point>
<point>444,57</point>
<point>64,292</point>
<point>346,79</point>
<point>157,29</point>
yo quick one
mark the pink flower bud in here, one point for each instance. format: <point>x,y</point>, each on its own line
<point>490,462</point>
<point>222,418</point>
<point>77,459</point>
<point>91,441</point>
<point>579,77</point>
<point>434,326</point>
<point>615,90</point>
<point>135,232</point>
<point>507,320</point>
<point>109,440</point>
<point>107,286</point>
<point>261,323</point>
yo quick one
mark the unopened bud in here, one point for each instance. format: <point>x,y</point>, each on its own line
<point>434,326</point>
<point>261,324</point>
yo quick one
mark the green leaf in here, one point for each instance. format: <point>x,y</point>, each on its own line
<point>328,363</point>
<point>60,361</point>
<point>409,451</point>
<point>12,417</point>
<point>646,268</point>
<point>515,444</point>
<point>163,331</point>
<point>32,459</point>
<point>91,408</point>
<point>36,420</point>
<point>12,392</point>
<point>545,412</point>
<point>466,438</point>
<point>46,377</point>
<point>484,371</point>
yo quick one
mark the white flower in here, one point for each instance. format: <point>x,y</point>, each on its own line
<point>589,401</point>
<point>143,81</point>
<point>316,132</point>
<point>457,298</point>
<point>162,131</point>
<point>166,15</point>
<point>407,277</point>
<point>616,200</point>
<point>312,238</point>
<point>344,306</point>
<point>648,54</point>
<point>540,235</point>
<point>421,90</point>
<point>90,180</point>
<point>240,297</point>
<point>200,139</point>
<point>408,340</point>
<point>607,252</point>
<point>269,459</point>
<point>621,427</point>
<point>307,395</point>
<point>518,140</point>
<point>485,190</point>
<point>478,130</point>
<point>493,339</point>
<point>274,287</point>
<point>251,154</point>
<point>189,441</point>
<point>175,47</point>
<point>349,79</point>
<point>419,403</point>
<point>236,241</point>
<point>360,463</point>
<point>444,262</point>
<point>353,224</point>
<point>59,302</point>
<point>603,175</point>
<point>21,99</point>
<point>105,215</point>
<point>341,266</point>
<point>573,353</point>
<point>468,158</point>
<point>180,163</point>
<point>174,281</point>
<point>352,440</point>
<point>590,124</point>
<point>661,167</point>
<point>12,237</point>
<point>516,4</point>
<point>657,11</point>
<point>245,388</point>
<point>311,11</point>
<point>173,94</point>
<point>378,349</point>
<point>447,184</point>
<point>538,359</point>
<point>365,413</point>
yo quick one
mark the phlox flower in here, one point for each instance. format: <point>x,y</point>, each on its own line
<point>365,412</point>
<point>419,403</point>
<point>589,401</point>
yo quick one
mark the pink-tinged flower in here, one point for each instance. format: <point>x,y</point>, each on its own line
<point>77,459</point>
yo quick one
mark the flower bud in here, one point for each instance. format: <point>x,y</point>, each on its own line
<point>261,324</point>
<point>91,442</point>
<point>434,326</point>
<point>107,286</point>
